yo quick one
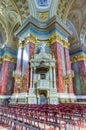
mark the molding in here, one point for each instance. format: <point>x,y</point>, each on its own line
<point>28,39</point>
<point>43,15</point>
<point>9,58</point>
<point>57,38</point>
<point>32,23</point>
<point>76,48</point>
<point>78,58</point>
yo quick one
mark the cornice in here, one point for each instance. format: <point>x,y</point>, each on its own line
<point>77,47</point>
<point>28,39</point>
<point>78,57</point>
<point>9,58</point>
<point>57,38</point>
<point>53,22</point>
<point>8,54</point>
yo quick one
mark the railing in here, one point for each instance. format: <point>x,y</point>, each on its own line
<point>43,84</point>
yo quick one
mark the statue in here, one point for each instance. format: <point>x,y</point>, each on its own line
<point>42,47</point>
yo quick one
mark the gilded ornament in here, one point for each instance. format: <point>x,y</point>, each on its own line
<point>43,15</point>
<point>21,44</point>
<point>29,38</point>
<point>33,39</point>
<point>78,58</point>
<point>0,60</point>
<point>9,58</point>
<point>65,43</point>
<point>57,38</point>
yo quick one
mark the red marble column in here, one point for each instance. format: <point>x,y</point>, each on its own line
<point>29,50</point>
<point>0,76</point>
<point>82,73</point>
<point>19,59</point>
<point>68,70</point>
<point>59,70</point>
<point>18,66</point>
<point>5,75</point>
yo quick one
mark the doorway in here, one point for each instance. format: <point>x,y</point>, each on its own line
<point>43,97</point>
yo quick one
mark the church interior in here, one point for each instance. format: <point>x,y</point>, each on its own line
<point>43,64</point>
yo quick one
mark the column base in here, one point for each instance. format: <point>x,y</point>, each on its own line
<point>32,98</point>
<point>66,98</point>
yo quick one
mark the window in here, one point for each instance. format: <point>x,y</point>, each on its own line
<point>42,76</point>
<point>43,2</point>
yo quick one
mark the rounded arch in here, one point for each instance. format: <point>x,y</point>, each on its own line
<point>74,37</point>
<point>83,34</point>
<point>3,29</point>
<point>12,41</point>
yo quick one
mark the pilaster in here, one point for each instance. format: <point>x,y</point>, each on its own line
<point>78,59</point>
<point>7,68</point>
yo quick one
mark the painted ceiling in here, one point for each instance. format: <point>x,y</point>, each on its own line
<point>14,12</point>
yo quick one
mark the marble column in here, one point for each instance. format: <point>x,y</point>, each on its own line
<point>19,59</point>
<point>68,70</point>
<point>7,78</point>
<point>82,73</point>
<point>76,80</point>
<point>0,76</point>
<point>31,54</point>
<point>56,49</point>
<point>5,75</point>
<point>31,74</point>
<point>51,85</point>
<point>18,71</point>
<point>54,72</point>
<point>27,55</point>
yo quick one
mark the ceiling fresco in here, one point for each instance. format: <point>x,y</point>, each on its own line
<point>14,12</point>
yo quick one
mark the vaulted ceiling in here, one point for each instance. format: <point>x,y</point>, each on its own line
<point>14,12</point>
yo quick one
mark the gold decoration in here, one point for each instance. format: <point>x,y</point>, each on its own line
<point>43,15</point>
<point>65,43</point>
<point>9,58</point>
<point>18,79</point>
<point>78,58</point>
<point>28,38</point>
<point>32,39</point>
<point>21,44</point>
<point>0,60</point>
<point>57,38</point>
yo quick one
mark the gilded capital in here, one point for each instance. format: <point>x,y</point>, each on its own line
<point>65,43</point>
<point>9,58</point>
<point>27,39</point>
<point>78,58</point>
<point>0,60</point>
<point>55,38</point>
<point>30,38</point>
<point>21,44</point>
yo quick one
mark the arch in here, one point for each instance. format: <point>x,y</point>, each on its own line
<point>83,34</point>
<point>3,29</point>
<point>74,37</point>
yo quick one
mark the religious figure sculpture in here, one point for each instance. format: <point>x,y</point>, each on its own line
<point>42,47</point>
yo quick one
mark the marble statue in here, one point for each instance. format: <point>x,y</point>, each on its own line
<point>42,47</point>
